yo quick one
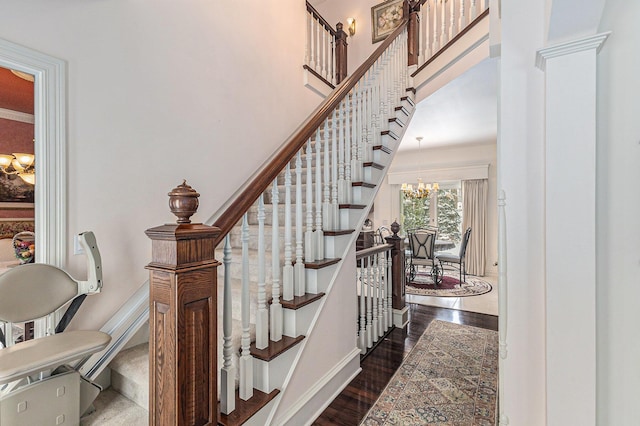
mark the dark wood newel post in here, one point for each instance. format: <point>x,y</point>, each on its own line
<point>398,277</point>
<point>182,318</point>
<point>341,53</point>
<point>412,31</point>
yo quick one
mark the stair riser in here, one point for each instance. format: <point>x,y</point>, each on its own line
<point>298,321</point>
<point>268,376</point>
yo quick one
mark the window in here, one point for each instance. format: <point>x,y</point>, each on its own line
<point>442,209</point>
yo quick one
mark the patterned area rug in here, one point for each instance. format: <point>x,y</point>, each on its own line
<point>449,378</point>
<point>422,285</point>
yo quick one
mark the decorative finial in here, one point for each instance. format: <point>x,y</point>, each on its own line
<point>183,202</point>
<point>395,228</point>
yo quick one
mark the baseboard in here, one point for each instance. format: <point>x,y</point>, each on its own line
<point>313,402</point>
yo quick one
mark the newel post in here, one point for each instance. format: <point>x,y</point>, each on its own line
<point>341,53</point>
<point>182,318</point>
<point>413,31</point>
<point>398,277</point>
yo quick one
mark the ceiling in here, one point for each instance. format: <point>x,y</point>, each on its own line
<point>462,112</point>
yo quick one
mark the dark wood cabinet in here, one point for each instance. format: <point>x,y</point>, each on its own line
<point>365,240</point>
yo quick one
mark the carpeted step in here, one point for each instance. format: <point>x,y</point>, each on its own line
<point>130,374</point>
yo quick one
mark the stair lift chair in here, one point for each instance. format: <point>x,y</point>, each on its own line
<point>37,384</point>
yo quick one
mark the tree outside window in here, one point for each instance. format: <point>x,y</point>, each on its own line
<point>442,209</point>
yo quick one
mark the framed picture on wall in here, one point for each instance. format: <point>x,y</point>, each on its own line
<point>15,192</point>
<point>385,17</point>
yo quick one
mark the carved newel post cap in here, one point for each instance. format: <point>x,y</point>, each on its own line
<point>183,202</point>
<point>395,228</point>
<point>339,26</point>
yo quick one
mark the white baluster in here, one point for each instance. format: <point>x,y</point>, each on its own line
<point>342,190</point>
<point>473,14</point>
<point>262,316</point>
<point>318,234</point>
<point>389,289</point>
<point>380,282</point>
<point>333,60</point>
<point>443,32</point>
<point>309,244</point>
<point>287,271</point>
<point>318,47</point>
<point>348,116</point>
<point>312,44</point>
<point>307,49</point>
<point>362,335</point>
<point>326,199</point>
<point>8,334</point>
<point>452,20</point>
<point>369,302</point>
<point>436,44</point>
<point>326,61</point>
<point>375,293</point>
<point>463,16</point>
<point>356,166</point>
<point>324,72</point>
<point>335,211</point>
<point>246,361</point>
<point>275,310</point>
<point>228,372</point>
<point>298,269</point>
<point>427,32</point>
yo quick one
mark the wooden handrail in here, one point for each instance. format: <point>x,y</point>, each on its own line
<point>319,17</point>
<point>380,248</point>
<point>260,181</point>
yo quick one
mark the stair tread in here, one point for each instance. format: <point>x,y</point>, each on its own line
<point>352,206</point>
<point>245,409</point>
<point>374,165</point>
<point>338,232</point>
<point>275,348</point>
<point>300,301</point>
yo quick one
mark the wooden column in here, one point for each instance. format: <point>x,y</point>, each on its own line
<point>341,53</point>
<point>398,276</point>
<point>413,32</point>
<point>182,318</point>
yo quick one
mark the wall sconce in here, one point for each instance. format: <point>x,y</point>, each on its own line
<point>19,164</point>
<point>351,26</point>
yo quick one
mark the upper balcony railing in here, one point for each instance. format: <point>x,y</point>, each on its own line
<point>326,49</point>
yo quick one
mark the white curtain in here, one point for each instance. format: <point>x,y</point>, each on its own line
<point>474,207</point>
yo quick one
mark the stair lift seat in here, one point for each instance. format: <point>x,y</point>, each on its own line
<point>37,385</point>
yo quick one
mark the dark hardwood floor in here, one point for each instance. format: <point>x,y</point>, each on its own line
<point>350,407</point>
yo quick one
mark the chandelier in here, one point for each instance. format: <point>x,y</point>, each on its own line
<point>421,191</point>
<point>19,164</point>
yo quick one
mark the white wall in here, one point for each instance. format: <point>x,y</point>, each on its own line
<point>156,93</point>
<point>387,203</point>
<point>617,224</point>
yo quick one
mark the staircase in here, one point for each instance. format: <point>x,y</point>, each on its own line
<point>285,237</point>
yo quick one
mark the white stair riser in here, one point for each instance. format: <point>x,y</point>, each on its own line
<point>268,376</point>
<point>297,321</point>
<point>318,279</point>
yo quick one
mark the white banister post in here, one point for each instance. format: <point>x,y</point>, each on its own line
<point>262,316</point>
<point>333,61</point>
<point>307,50</point>
<point>452,20</point>
<point>473,13</point>
<point>463,16</point>
<point>362,335</point>
<point>287,271</point>
<point>356,166</point>
<point>326,199</point>
<point>335,211</point>
<point>347,151</point>
<point>342,190</point>
<point>369,277</point>
<point>228,372</point>
<point>275,310</point>
<point>318,47</point>
<point>427,31</point>
<point>312,46</point>
<point>389,290</point>
<point>309,245</point>
<point>436,45</point>
<point>318,234</point>
<point>298,269</point>
<point>374,289</point>
<point>246,361</point>
<point>381,305</point>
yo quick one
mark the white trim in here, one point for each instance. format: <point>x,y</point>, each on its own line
<point>50,147</point>
<point>568,48</point>
<point>480,171</point>
<point>23,117</point>
<point>314,392</point>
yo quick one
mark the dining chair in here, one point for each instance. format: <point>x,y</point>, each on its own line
<point>457,259</point>
<point>422,253</point>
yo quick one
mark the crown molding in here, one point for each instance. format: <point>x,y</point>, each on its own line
<point>570,47</point>
<point>23,117</point>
